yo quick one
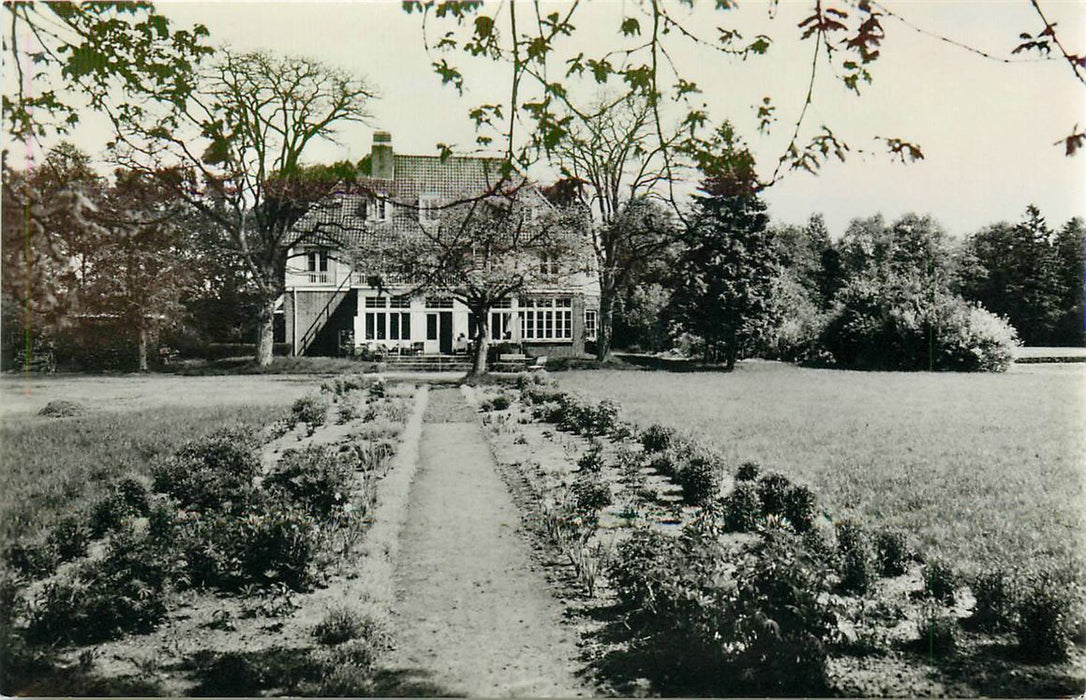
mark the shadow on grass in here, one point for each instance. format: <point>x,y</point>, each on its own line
<point>400,683</point>
<point>299,671</point>
<point>996,667</point>
<point>63,682</point>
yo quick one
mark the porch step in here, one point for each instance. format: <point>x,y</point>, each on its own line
<point>427,363</point>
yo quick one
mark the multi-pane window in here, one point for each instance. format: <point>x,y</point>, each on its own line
<point>374,209</point>
<point>387,325</point>
<point>590,324</point>
<point>549,318</point>
<point>429,207</point>
<point>548,264</point>
<point>317,266</point>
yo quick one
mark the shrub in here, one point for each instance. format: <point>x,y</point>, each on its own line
<point>134,494</point>
<point>109,513</point>
<point>799,507</point>
<point>657,438</point>
<point>210,473</point>
<point>547,411</point>
<point>773,490</point>
<point>60,408</point>
<point>605,418</point>
<point>33,559</point>
<point>742,507</point>
<point>892,552</point>
<point>699,475</point>
<point>124,592</point>
<point>162,520</point>
<point>679,594</point>
<point>938,632</point>
<point>316,478</point>
<point>310,410</point>
<point>748,471</point>
<point>856,564</point>
<point>939,580</point>
<point>1045,624</point>
<point>68,539</point>
<point>880,326</point>
<point>995,609</point>
<point>591,493</point>
<point>592,460</point>
<point>272,542</point>
<point>500,402</point>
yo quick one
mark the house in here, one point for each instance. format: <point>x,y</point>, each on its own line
<point>332,304</point>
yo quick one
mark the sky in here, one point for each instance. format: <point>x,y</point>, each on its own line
<point>987,128</point>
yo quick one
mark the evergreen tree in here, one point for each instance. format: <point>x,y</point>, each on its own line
<point>729,267</point>
<point>1013,271</point>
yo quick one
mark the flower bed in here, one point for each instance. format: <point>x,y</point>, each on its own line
<point>238,534</point>
<point>731,579</point>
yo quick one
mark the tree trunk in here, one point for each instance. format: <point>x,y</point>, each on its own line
<point>731,350</point>
<point>604,329</point>
<point>264,332</point>
<point>142,344</point>
<point>482,343</point>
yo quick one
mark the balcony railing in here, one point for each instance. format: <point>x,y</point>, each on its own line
<point>321,277</point>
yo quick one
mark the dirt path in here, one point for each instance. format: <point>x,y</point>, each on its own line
<point>474,616</point>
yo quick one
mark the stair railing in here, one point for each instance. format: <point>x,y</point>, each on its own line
<point>323,316</point>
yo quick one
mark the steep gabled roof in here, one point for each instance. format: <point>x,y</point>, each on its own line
<point>338,221</point>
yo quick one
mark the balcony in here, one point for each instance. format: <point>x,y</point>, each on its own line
<point>320,277</point>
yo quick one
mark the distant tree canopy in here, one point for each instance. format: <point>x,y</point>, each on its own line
<point>1029,274</point>
<point>91,264</point>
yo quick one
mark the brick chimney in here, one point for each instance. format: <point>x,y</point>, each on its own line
<point>381,162</point>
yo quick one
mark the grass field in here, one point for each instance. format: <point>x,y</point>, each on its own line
<point>981,468</point>
<point>51,466</point>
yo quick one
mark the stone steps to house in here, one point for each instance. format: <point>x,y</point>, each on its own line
<point>427,363</point>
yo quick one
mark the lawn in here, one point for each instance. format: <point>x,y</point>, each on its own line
<point>979,468</point>
<point>50,466</point>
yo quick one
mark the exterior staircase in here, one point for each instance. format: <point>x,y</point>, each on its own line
<point>427,363</point>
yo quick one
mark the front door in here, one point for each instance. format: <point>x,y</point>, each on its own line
<point>445,333</point>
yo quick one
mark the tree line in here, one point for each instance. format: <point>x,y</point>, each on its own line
<point>884,295</point>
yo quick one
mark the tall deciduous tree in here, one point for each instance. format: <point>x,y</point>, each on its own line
<point>49,236</point>
<point>728,272</point>
<point>612,166</point>
<point>239,141</point>
<point>485,250</point>
<point>142,267</point>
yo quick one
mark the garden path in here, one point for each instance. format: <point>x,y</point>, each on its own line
<point>474,615</point>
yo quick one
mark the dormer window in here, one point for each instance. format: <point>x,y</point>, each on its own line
<point>429,208</point>
<point>374,209</point>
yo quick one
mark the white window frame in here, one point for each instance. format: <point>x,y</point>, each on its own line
<point>318,265</point>
<point>591,323</point>
<point>429,208</point>
<point>387,325</point>
<point>547,319</point>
